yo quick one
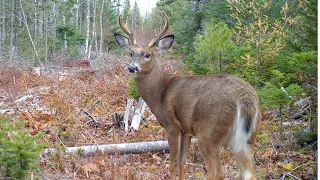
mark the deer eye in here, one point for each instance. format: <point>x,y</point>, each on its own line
<point>147,55</point>
<point>131,54</point>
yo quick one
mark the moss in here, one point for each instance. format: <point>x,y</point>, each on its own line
<point>133,90</point>
<point>263,137</point>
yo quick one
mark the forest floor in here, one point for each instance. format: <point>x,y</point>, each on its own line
<point>54,102</point>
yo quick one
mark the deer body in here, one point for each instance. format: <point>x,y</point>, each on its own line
<point>219,110</point>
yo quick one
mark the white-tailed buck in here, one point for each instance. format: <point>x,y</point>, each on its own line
<point>218,110</point>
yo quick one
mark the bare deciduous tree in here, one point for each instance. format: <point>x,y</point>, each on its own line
<point>88,27</point>
<point>101,27</point>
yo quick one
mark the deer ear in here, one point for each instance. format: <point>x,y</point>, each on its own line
<point>164,43</point>
<point>122,41</point>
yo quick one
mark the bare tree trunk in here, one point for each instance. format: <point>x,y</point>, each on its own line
<point>13,39</point>
<point>54,19</point>
<point>132,21</point>
<point>28,30</point>
<point>101,27</point>
<point>46,36</point>
<point>65,35</point>
<point>4,33</point>
<point>20,18</point>
<point>1,37</point>
<point>81,13</point>
<point>94,36</point>
<point>2,29</point>
<point>54,25</point>
<point>35,25</point>
<point>118,6</point>
<point>41,19</point>
<point>94,29</point>
<point>77,15</point>
<point>36,22</point>
<point>88,27</point>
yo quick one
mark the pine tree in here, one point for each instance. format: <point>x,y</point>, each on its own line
<point>111,26</point>
<point>184,20</point>
<point>19,150</point>
<point>126,9</point>
<point>136,17</point>
<point>303,35</point>
<point>213,49</point>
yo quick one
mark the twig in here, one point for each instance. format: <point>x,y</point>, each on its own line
<point>193,164</point>
<point>301,111</point>
<point>309,146</point>
<point>303,165</point>
<point>150,117</point>
<point>274,148</point>
<point>290,175</point>
<point>96,102</point>
<point>254,157</point>
<point>75,173</point>
<point>64,146</point>
<point>88,114</point>
<point>93,121</point>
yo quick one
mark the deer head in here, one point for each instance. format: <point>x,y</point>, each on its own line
<point>143,56</point>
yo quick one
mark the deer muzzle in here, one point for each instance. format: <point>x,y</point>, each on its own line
<point>132,68</point>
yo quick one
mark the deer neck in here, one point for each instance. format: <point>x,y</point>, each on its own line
<point>150,86</point>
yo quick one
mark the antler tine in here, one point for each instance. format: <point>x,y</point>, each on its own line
<point>166,27</point>
<point>124,27</point>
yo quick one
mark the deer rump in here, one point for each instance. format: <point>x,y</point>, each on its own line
<point>210,106</point>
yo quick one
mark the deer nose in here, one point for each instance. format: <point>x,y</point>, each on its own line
<point>132,68</point>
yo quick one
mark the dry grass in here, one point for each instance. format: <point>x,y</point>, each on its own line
<point>54,105</point>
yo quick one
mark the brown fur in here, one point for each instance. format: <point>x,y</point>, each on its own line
<point>205,107</point>
<point>199,106</point>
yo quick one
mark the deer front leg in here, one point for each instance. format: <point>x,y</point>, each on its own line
<point>184,149</point>
<point>174,143</point>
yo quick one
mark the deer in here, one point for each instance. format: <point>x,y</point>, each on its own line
<point>218,110</point>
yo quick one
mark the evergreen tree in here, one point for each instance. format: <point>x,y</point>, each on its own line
<point>303,35</point>
<point>19,150</point>
<point>111,26</point>
<point>136,17</point>
<point>213,49</point>
<point>126,9</point>
<point>259,37</point>
<point>184,20</point>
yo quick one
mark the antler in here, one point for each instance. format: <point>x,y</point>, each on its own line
<point>124,27</point>
<point>157,37</point>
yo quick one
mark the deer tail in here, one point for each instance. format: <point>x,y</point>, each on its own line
<point>245,122</point>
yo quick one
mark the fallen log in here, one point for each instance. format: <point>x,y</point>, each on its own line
<point>124,148</point>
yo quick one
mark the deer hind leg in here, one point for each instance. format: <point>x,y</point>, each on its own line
<point>244,163</point>
<point>184,149</point>
<point>210,153</point>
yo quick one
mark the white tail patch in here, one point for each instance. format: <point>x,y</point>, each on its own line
<point>247,175</point>
<point>239,137</point>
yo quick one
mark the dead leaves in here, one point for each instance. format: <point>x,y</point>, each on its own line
<point>59,116</point>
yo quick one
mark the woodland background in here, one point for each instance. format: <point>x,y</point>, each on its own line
<point>59,60</point>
